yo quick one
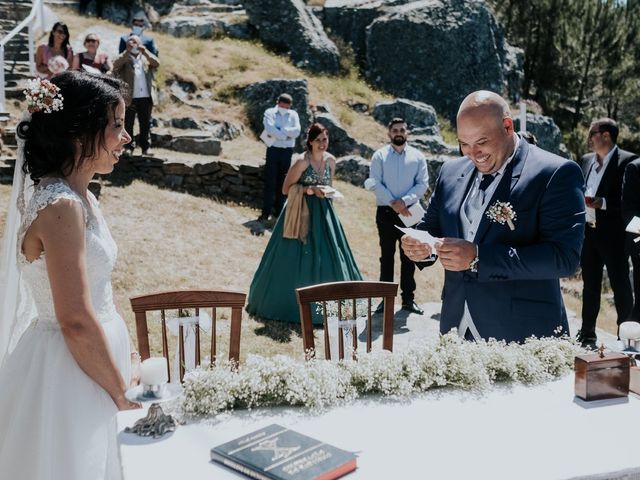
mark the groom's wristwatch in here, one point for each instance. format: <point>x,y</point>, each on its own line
<point>473,266</point>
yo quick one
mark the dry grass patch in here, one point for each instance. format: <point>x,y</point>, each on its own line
<point>169,240</point>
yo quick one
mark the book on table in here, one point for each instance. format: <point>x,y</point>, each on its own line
<point>277,453</point>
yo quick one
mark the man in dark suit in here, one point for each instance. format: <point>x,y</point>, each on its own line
<point>630,209</point>
<point>509,222</point>
<point>604,234</point>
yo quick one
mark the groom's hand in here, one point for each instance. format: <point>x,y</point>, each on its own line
<point>456,254</point>
<point>415,249</point>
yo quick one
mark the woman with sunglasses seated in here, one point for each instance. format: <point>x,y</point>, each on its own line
<point>92,61</point>
<point>47,63</point>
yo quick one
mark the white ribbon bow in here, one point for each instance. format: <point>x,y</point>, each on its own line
<point>189,324</point>
<point>333,324</point>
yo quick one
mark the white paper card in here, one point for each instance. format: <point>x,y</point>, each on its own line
<point>634,225</point>
<point>421,235</point>
<point>416,213</point>
<point>267,139</point>
<point>330,192</point>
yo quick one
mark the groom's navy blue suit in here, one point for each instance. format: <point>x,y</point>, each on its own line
<point>516,291</point>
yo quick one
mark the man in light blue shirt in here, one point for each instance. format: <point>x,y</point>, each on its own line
<point>282,127</point>
<point>400,179</point>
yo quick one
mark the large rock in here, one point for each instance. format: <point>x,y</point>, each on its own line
<point>353,169</point>
<point>546,131</point>
<point>340,142</point>
<point>288,26</point>
<point>262,95</point>
<point>418,115</point>
<point>435,51</point>
<point>349,20</point>
<point>204,19</point>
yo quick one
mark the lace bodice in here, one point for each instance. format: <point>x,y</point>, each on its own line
<point>311,177</point>
<point>101,252</point>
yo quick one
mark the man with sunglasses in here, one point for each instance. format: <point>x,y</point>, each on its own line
<point>604,238</point>
<point>138,25</point>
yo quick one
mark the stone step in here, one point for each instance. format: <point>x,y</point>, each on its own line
<point>8,137</point>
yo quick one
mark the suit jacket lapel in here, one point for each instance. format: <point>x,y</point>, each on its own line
<point>509,179</point>
<point>455,199</point>
<point>609,175</point>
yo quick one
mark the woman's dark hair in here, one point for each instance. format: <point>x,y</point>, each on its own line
<point>315,130</point>
<point>51,139</point>
<point>65,42</point>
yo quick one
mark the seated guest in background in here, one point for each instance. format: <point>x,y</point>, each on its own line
<point>57,46</point>
<point>91,58</point>
<point>136,66</point>
<point>630,209</point>
<point>138,25</point>
<point>604,238</point>
<point>308,245</point>
<point>509,219</point>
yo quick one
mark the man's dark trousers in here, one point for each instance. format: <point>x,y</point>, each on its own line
<point>276,168</point>
<point>386,220</point>
<point>141,107</point>
<point>599,249</point>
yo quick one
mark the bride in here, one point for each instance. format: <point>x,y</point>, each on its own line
<point>64,350</point>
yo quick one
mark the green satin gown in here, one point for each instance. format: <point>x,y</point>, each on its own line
<point>288,264</point>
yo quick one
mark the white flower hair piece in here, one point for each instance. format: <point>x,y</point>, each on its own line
<point>42,96</point>
<point>502,212</point>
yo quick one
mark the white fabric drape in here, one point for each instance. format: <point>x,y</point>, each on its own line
<point>16,303</point>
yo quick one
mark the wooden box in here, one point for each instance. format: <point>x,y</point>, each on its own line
<point>601,376</point>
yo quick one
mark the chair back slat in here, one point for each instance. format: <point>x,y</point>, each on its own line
<point>182,301</point>
<point>350,292</point>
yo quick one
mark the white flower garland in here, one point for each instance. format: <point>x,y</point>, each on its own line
<point>318,384</point>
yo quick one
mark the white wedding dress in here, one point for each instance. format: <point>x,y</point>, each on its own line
<point>56,423</point>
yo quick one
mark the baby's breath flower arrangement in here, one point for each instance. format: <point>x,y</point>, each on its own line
<point>502,212</point>
<point>42,96</point>
<point>317,384</point>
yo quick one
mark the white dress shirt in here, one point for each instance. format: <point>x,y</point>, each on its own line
<point>284,127</point>
<point>140,87</point>
<point>595,172</point>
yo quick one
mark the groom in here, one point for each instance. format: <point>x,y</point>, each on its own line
<point>509,218</point>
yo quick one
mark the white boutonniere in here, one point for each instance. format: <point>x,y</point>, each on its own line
<point>502,212</point>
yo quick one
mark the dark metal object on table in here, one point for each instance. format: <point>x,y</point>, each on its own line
<point>155,424</point>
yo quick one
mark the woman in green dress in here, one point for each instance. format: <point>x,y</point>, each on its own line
<point>289,263</point>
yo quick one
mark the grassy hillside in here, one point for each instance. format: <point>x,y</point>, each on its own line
<point>222,66</point>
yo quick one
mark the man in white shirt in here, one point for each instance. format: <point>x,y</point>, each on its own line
<point>604,239</point>
<point>282,128</point>
<point>136,67</point>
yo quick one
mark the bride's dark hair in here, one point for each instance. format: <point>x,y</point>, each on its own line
<point>51,139</point>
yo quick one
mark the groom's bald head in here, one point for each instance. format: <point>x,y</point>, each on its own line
<point>485,103</point>
<point>485,130</point>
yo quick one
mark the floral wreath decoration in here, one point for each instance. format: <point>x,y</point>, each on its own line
<point>43,96</point>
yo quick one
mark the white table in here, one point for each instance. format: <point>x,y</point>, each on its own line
<point>511,432</point>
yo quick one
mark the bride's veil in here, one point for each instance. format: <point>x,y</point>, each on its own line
<point>16,303</point>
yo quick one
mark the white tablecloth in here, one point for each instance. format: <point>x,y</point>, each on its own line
<point>511,432</point>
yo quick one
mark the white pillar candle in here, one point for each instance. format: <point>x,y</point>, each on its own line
<point>629,331</point>
<point>153,371</point>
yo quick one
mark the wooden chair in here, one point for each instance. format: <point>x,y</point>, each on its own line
<point>180,300</point>
<point>349,292</point>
